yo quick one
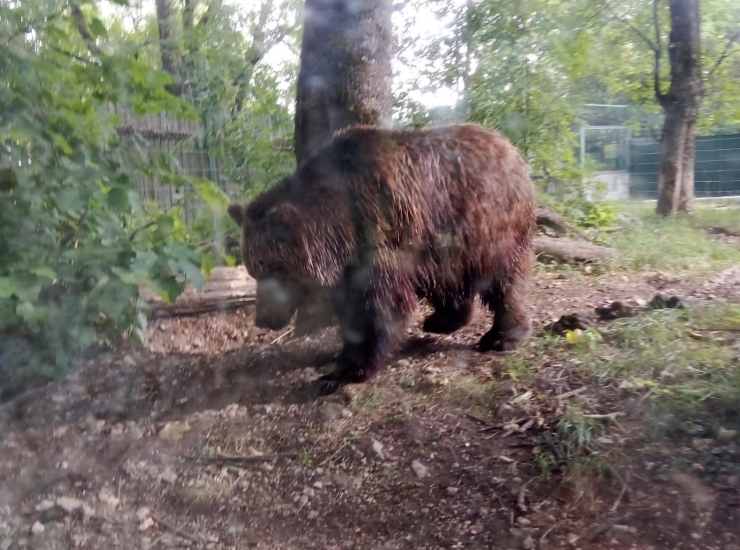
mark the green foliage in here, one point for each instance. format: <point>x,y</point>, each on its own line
<point>645,241</point>
<point>77,242</point>
<point>688,372</point>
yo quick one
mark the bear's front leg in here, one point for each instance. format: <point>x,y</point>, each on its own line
<point>365,350</point>
<point>371,321</point>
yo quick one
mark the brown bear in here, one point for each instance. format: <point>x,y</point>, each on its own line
<point>380,218</point>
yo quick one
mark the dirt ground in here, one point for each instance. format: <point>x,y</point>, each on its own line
<point>215,437</point>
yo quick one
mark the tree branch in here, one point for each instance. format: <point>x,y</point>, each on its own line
<point>81,24</point>
<point>657,53</point>
<point>724,55</point>
<point>644,37</point>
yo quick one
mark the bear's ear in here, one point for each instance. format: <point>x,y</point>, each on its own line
<point>236,211</point>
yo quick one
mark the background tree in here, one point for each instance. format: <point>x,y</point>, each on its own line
<point>344,79</point>
<point>345,70</point>
<point>700,47</point>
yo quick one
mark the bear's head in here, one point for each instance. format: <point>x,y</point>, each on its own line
<point>273,247</point>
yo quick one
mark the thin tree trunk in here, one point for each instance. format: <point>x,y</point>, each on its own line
<point>168,43</point>
<point>686,193</point>
<point>680,106</point>
<point>345,74</point>
<point>670,175</point>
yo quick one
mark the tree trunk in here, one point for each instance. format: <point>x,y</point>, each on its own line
<point>345,74</point>
<point>168,43</point>
<point>680,106</point>
<point>670,176</point>
<point>686,194</point>
<point>344,80</point>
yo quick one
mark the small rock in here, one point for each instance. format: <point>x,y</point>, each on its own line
<point>107,498</point>
<point>420,470</point>
<point>168,475</point>
<point>521,520</point>
<point>44,505</point>
<point>528,543</point>
<point>59,432</point>
<point>37,528</point>
<point>69,504</point>
<point>662,302</point>
<point>403,363</point>
<point>701,443</point>
<point>614,310</point>
<point>331,411</point>
<point>313,514</point>
<point>173,431</point>
<point>146,524</point>
<point>724,434</point>
<point>565,323</point>
<point>378,448</point>
<point>452,491</point>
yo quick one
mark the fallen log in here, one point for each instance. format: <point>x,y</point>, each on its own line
<point>161,310</point>
<point>571,251</point>
<point>549,219</point>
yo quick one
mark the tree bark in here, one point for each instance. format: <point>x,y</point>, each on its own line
<point>680,106</point>
<point>345,73</point>
<point>168,43</point>
<point>670,176</point>
<point>686,194</point>
<point>344,80</point>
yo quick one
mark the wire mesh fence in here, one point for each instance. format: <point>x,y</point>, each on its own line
<point>717,170</point>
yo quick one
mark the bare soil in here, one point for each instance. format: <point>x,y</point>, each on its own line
<point>214,437</point>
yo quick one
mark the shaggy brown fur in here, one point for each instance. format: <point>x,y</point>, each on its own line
<point>381,217</point>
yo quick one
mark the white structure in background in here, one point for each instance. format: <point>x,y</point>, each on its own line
<point>607,147</point>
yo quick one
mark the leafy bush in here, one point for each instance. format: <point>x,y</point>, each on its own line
<point>76,242</point>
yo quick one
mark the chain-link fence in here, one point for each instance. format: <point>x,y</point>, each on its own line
<point>717,172</point>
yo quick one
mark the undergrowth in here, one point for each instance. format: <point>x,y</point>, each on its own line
<point>684,363</point>
<point>682,243</point>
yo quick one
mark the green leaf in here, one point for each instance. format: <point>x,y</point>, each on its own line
<point>97,28</point>
<point>7,287</point>
<point>44,272</point>
<point>118,199</point>
<point>212,195</point>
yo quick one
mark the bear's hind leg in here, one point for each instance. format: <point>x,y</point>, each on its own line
<point>449,315</point>
<point>511,323</point>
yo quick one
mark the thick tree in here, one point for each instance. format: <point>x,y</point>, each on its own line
<point>680,105</point>
<point>345,71</point>
<point>344,79</point>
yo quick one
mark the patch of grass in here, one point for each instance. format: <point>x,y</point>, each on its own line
<point>471,393</point>
<point>680,243</point>
<point>687,373</point>
<point>724,216</point>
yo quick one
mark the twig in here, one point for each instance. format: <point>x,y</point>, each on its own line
<point>283,335</point>
<point>177,530</point>
<point>725,52</point>
<point>239,460</point>
<point>718,329</point>
<point>334,454</point>
<point>544,535</point>
<point>521,497</point>
<point>608,416</point>
<point>617,502</point>
<point>571,393</point>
